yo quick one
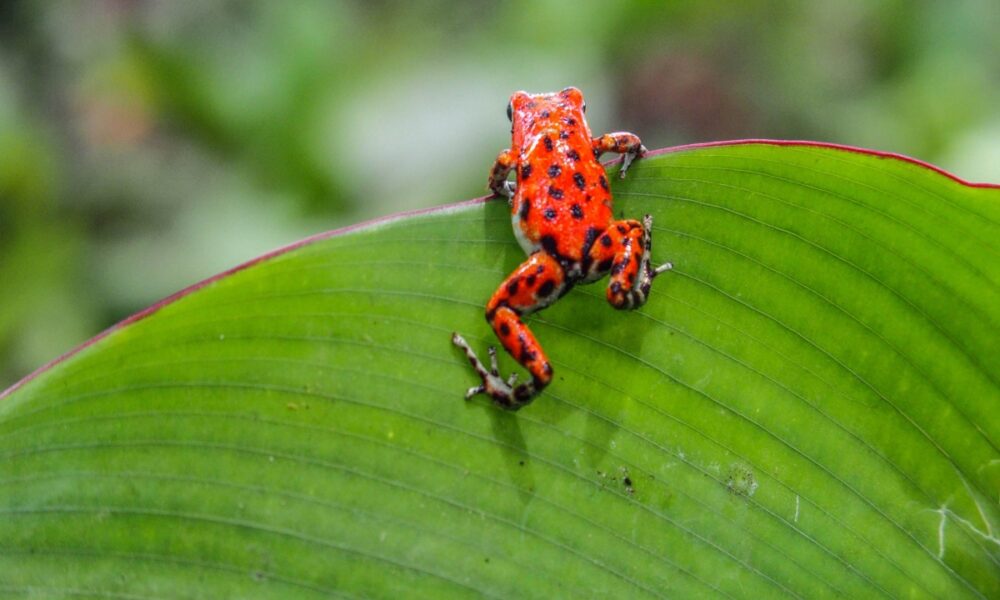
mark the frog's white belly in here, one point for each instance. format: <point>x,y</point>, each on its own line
<point>527,245</point>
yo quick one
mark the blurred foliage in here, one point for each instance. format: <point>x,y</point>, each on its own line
<point>145,145</point>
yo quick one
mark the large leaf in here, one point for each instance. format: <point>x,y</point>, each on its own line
<point>806,406</point>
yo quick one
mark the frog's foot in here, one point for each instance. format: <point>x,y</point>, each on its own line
<point>639,290</point>
<point>505,394</point>
<point>622,142</point>
<point>628,158</point>
<point>647,229</point>
<point>506,188</point>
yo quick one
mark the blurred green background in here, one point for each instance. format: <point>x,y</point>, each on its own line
<point>145,145</point>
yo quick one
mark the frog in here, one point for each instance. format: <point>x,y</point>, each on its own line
<point>561,211</point>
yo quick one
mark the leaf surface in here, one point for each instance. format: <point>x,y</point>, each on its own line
<point>807,406</point>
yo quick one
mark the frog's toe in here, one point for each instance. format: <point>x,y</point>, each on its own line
<point>662,268</point>
<point>506,188</point>
<point>626,163</point>
<point>494,369</point>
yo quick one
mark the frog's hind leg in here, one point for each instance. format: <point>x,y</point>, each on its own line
<point>623,249</point>
<point>535,284</point>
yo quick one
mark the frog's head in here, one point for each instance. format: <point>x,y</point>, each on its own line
<point>531,114</point>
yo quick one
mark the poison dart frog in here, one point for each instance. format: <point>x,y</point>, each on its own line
<point>561,212</point>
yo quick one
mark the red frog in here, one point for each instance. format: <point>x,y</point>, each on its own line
<point>561,212</point>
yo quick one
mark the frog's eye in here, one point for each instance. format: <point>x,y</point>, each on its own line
<point>510,111</point>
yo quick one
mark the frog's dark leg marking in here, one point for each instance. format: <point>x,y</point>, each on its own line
<point>623,249</point>
<point>535,284</point>
<point>498,183</point>
<point>621,142</point>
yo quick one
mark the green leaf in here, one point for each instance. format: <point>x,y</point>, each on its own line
<point>807,406</point>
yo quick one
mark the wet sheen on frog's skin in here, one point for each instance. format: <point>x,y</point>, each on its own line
<point>560,206</point>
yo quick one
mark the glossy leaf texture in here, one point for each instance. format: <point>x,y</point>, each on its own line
<point>806,407</point>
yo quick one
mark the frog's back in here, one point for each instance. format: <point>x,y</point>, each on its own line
<point>562,198</point>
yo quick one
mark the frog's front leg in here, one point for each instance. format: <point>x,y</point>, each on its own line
<point>499,184</point>
<point>621,142</point>
<point>623,249</point>
<point>538,282</point>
